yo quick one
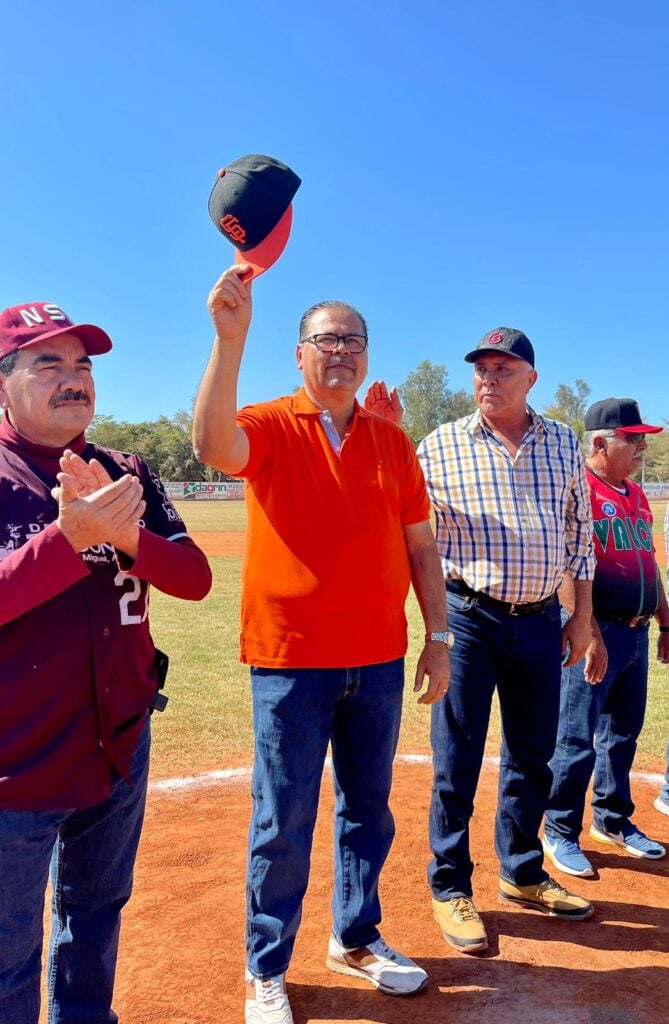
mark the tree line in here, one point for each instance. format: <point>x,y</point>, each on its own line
<point>166,445</point>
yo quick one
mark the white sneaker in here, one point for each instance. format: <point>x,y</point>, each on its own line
<point>387,969</point>
<point>661,805</point>
<point>266,1001</point>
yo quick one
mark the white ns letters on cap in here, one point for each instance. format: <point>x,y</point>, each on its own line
<point>31,317</point>
<point>55,312</point>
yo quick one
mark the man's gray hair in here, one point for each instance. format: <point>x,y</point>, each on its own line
<point>8,362</point>
<point>330,304</point>
<point>589,440</point>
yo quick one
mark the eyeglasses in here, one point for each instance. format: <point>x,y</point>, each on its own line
<point>353,343</point>
<point>635,439</point>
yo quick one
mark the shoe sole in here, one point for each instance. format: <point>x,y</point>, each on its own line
<point>578,915</point>
<point>470,947</point>
<point>601,837</point>
<point>586,873</point>
<point>341,967</point>
<point>251,1017</point>
<point>660,806</point>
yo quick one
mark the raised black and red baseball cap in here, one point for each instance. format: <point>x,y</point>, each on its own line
<point>621,414</point>
<point>21,326</point>
<point>251,205</point>
<point>505,340</point>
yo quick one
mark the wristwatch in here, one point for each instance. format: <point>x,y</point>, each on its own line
<point>445,637</point>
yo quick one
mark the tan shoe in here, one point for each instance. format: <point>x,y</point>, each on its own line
<point>460,924</point>
<point>547,896</point>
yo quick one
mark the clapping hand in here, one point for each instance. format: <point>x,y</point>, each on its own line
<point>384,403</point>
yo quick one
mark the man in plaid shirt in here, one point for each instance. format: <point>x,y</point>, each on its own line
<point>513,518</point>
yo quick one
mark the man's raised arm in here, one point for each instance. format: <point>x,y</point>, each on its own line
<point>217,439</point>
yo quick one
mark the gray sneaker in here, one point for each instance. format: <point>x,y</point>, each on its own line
<point>567,856</point>
<point>633,841</point>
<point>661,805</point>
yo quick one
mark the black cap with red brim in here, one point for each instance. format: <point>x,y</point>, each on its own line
<point>250,204</point>
<point>621,414</point>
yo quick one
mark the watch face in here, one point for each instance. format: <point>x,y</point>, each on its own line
<point>445,637</point>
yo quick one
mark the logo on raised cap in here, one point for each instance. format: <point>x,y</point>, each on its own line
<point>32,317</point>
<point>495,339</point>
<point>232,227</point>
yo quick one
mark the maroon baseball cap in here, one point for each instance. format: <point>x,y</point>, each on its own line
<point>621,414</point>
<point>25,325</point>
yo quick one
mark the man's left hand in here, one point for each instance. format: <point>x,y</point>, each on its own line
<point>383,402</point>
<point>663,648</point>
<point>435,664</point>
<point>576,634</point>
<point>87,476</point>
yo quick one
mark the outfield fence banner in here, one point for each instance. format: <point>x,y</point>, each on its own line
<point>656,490</point>
<point>201,490</point>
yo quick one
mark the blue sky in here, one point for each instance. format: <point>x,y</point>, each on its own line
<point>465,165</point>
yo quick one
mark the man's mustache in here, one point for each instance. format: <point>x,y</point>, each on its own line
<point>70,396</point>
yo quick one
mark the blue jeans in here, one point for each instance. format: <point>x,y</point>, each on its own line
<point>520,655</point>
<point>599,727</point>
<point>91,855</point>
<point>296,713</point>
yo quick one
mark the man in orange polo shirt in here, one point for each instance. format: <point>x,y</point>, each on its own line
<point>338,527</point>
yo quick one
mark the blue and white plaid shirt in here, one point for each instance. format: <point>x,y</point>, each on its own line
<point>509,526</point>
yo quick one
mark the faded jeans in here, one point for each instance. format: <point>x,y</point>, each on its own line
<point>296,713</point>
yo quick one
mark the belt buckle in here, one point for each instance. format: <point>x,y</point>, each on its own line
<point>638,621</point>
<point>512,609</point>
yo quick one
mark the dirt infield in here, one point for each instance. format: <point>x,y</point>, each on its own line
<point>181,958</point>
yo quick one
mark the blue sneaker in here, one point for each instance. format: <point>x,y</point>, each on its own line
<point>634,842</point>
<point>567,856</point>
<point>661,804</point>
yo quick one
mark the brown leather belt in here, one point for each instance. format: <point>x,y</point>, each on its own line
<point>530,608</point>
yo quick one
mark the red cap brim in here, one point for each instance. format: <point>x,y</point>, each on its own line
<point>640,428</point>
<point>264,255</point>
<point>94,339</point>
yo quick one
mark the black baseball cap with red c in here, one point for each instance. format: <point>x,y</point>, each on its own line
<point>250,204</point>
<point>21,326</point>
<point>620,414</point>
<point>505,341</point>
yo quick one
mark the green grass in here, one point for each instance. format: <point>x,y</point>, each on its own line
<point>658,509</point>
<point>227,516</point>
<point>208,720</point>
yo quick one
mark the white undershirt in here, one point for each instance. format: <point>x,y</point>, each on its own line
<point>331,431</point>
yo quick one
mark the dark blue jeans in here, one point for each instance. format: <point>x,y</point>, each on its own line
<point>598,730</point>
<point>520,656</point>
<point>91,854</point>
<point>296,713</point>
